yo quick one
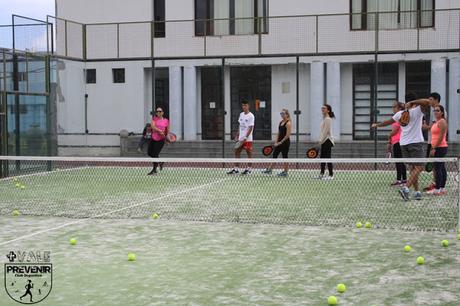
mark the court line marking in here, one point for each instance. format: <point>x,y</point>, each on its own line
<point>42,173</point>
<point>111,212</point>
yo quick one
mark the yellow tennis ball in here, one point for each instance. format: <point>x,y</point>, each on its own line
<point>73,241</point>
<point>368,225</point>
<point>332,300</point>
<point>23,187</point>
<point>15,213</point>
<point>131,257</point>
<point>359,225</point>
<point>420,260</point>
<point>155,216</point>
<point>458,236</point>
<point>17,185</point>
<point>341,288</point>
<point>407,248</point>
<point>445,243</point>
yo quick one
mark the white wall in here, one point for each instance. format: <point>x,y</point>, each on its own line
<point>286,74</point>
<point>307,7</point>
<point>98,11</point>
<point>111,107</point>
<point>70,97</point>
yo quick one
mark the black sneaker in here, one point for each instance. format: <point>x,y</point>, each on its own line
<point>245,172</point>
<point>153,172</point>
<point>161,166</point>
<point>233,171</point>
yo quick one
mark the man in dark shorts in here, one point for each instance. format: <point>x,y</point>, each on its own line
<point>412,142</point>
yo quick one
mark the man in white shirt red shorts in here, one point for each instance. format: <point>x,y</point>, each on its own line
<point>246,121</point>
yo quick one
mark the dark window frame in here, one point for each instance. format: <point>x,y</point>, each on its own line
<point>208,17</point>
<point>118,75</point>
<point>159,18</point>
<point>364,13</point>
<point>90,76</point>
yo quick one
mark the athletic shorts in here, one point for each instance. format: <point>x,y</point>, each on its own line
<point>413,150</point>
<point>247,145</point>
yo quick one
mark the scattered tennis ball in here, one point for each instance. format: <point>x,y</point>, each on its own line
<point>368,225</point>
<point>445,243</point>
<point>17,185</point>
<point>407,248</point>
<point>155,216</point>
<point>23,187</point>
<point>341,288</point>
<point>131,257</point>
<point>73,241</point>
<point>332,300</point>
<point>420,260</point>
<point>359,225</point>
<point>15,213</point>
<point>458,236</point>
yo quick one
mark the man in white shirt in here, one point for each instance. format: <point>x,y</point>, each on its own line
<point>412,143</point>
<point>246,121</point>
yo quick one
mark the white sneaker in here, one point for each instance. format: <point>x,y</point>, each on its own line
<point>328,178</point>
<point>319,177</point>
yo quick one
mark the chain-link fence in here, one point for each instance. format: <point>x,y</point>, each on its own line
<point>282,192</point>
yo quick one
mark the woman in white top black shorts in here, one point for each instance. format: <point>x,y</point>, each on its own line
<point>283,141</point>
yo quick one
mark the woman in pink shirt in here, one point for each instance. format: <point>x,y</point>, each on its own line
<point>393,141</point>
<point>160,127</point>
<point>439,149</point>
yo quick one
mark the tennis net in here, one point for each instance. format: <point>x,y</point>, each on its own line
<point>202,190</point>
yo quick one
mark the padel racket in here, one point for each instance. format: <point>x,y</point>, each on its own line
<point>388,156</point>
<point>312,153</point>
<point>171,137</point>
<point>405,118</point>
<point>267,150</point>
<point>429,167</point>
<point>238,144</point>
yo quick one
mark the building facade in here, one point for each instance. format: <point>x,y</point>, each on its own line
<point>200,58</point>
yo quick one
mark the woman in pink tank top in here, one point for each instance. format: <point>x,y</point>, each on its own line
<point>439,149</point>
<point>160,127</point>
<point>393,142</point>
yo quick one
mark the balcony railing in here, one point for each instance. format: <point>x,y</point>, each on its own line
<point>306,35</point>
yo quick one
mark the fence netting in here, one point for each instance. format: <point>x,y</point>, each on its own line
<point>202,190</point>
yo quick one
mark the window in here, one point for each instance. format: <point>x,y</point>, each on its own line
<point>230,17</point>
<point>364,104</point>
<point>159,18</point>
<point>393,14</point>
<point>90,76</point>
<point>118,75</point>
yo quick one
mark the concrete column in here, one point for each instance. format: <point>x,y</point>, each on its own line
<point>453,112</point>
<point>316,98</point>
<point>190,104</point>
<point>438,78</point>
<point>401,81</point>
<point>333,96</point>
<point>175,100</point>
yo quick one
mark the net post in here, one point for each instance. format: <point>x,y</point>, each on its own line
<point>458,193</point>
